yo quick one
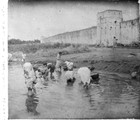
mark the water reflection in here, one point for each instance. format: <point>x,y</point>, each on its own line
<point>31,104</point>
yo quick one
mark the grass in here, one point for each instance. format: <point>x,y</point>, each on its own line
<point>47,49</point>
<point>33,48</point>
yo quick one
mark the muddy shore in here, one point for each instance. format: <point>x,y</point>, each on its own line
<point>120,60</point>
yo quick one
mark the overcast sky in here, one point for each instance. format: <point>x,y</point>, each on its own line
<point>28,21</point>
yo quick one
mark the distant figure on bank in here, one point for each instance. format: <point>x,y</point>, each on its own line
<point>30,77</point>
<point>115,42</point>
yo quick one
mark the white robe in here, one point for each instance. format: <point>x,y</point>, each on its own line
<point>69,75</point>
<point>69,65</point>
<point>84,74</point>
<point>29,74</point>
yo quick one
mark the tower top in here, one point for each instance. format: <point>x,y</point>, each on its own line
<point>110,13</point>
<point>109,10</point>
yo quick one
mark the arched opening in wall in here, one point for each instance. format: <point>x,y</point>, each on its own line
<point>110,28</point>
<point>115,22</point>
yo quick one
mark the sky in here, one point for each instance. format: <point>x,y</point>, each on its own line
<point>35,20</point>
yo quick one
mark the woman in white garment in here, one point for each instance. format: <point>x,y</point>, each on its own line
<point>30,77</point>
<point>70,77</point>
<point>69,65</point>
<point>57,72</point>
<point>58,62</point>
<point>39,78</point>
<point>86,77</point>
<point>84,74</point>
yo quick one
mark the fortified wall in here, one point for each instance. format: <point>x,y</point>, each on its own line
<point>130,31</point>
<point>110,29</point>
<point>85,36</point>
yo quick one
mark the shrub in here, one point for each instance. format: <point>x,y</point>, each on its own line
<point>120,45</point>
<point>135,44</point>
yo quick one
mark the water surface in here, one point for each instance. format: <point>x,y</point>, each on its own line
<point>115,96</point>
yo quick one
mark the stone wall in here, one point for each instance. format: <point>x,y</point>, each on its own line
<point>110,29</point>
<point>129,31</point>
<point>85,36</point>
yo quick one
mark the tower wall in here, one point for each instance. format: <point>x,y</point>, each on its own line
<point>108,27</point>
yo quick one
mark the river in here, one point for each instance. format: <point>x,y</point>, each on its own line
<point>115,96</point>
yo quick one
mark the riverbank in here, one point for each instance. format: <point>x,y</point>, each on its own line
<point>120,60</point>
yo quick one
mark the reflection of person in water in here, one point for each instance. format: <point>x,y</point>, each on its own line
<point>31,104</point>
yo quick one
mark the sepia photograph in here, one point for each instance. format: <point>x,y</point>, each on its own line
<point>73,59</point>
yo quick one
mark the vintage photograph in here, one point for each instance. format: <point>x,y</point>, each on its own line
<point>73,59</point>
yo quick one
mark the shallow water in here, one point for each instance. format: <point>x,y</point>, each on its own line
<point>114,97</point>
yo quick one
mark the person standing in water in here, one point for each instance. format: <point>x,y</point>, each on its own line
<point>58,66</point>
<point>30,78</point>
<point>58,62</point>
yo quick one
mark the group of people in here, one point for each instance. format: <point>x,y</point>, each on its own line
<point>35,77</point>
